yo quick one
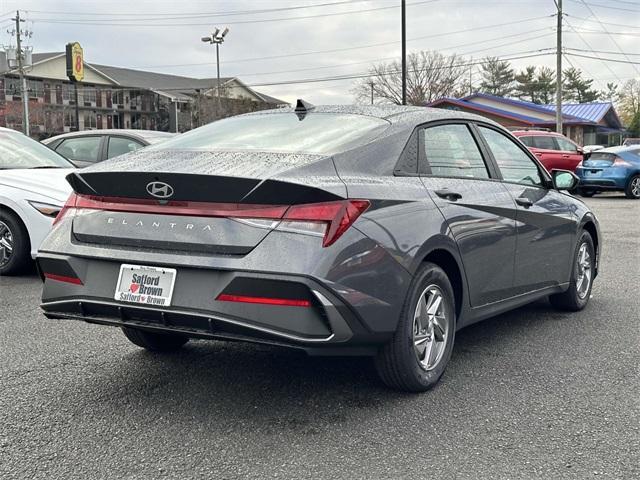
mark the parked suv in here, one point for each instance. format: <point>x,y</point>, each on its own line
<point>552,149</point>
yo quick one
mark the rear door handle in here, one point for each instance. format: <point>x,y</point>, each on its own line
<point>565,155</point>
<point>538,154</point>
<point>524,202</point>
<point>448,195</point>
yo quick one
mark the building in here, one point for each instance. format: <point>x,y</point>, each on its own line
<point>116,97</point>
<point>594,123</point>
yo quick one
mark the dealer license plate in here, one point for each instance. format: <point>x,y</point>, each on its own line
<point>146,285</point>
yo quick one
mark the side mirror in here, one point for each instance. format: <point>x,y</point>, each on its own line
<point>564,179</point>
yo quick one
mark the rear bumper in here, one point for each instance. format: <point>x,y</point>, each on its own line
<point>329,326</point>
<point>609,179</point>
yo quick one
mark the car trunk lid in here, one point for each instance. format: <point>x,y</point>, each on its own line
<point>208,202</point>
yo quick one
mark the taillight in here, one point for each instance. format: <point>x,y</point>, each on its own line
<point>330,219</point>
<point>70,204</point>
<point>327,219</point>
<point>619,162</point>
<point>283,302</point>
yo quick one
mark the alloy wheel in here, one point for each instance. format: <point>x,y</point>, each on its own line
<point>430,328</point>
<point>583,280</point>
<point>6,244</point>
<point>635,187</point>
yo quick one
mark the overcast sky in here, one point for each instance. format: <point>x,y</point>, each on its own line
<point>164,36</point>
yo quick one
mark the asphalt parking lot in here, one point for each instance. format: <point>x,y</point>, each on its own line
<point>531,394</point>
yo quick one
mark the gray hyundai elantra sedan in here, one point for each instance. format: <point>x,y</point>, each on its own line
<point>339,230</point>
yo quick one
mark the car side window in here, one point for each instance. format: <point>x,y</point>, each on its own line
<point>121,145</point>
<point>451,151</point>
<point>544,142</point>
<point>86,149</point>
<point>515,165</point>
<point>528,141</point>
<point>566,145</point>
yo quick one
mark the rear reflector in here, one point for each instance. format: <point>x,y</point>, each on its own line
<point>327,219</point>
<point>223,297</point>
<point>63,278</point>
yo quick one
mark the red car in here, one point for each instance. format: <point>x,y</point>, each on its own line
<point>552,149</point>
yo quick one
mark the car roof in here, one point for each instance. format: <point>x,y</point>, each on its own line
<point>396,114</point>
<point>620,149</point>
<point>141,134</point>
<point>522,133</point>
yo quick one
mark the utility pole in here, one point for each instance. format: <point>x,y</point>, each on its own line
<point>559,69</point>
<point>404,52</point>
<point>371,84</point>
<point>23,80</point>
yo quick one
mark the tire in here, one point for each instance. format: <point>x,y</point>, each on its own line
<point>399,363</point>
<point>577,296</point>
<point>632,190</point>
<point>586,193</point>
<point>155,342</point>
<point>15,247</point>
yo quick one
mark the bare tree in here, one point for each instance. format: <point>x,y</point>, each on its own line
<point>629,100</point>
<point>430,76</point>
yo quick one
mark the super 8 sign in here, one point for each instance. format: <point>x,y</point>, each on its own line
<point>75,62</point>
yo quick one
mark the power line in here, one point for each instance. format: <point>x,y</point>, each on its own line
<point>599,5</point>
<point>512,56</point>
<point>610,36</point>
<point>602,32</point>
<point>366,75</point>
<point>592,50</point>
<point>360,47</point>
<point>615,60</point>
<point>626,25</point>
<point>395,58</point>
<point>199,15</point>
<point>606,52</point>
<point>241,22</point>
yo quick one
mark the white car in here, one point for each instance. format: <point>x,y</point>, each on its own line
<point>33,189</point>
<point>592,148</point>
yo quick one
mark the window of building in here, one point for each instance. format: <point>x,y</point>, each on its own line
<point>12,87</point>
<point>451,151</point>
<point>514,163</point>
<point>89,95</point>
<point>90,120</point>
<point>69,118</point>
<point>36,89</point>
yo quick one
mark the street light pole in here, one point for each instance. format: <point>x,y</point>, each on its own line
<point>218,73</point>
<point>559,69</point>
<point>217,38</point>
<point>404,52</point>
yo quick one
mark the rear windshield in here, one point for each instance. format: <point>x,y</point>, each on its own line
<point>602,156</point>
<point>19,151</point>
<point>319,133</point>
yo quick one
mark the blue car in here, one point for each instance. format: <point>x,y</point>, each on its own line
<point>610,169</point>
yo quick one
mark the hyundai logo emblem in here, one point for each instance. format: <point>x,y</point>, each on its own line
<point>160,189</point>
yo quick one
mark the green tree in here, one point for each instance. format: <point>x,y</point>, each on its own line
<point>611,93</point>
<point>634,126</point>
<point>546,85</point>
<point>526,87</point>
<point>497,77</point>
<point>578,89</point>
